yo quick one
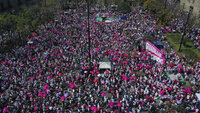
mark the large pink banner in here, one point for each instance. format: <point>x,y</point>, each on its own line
<point>155,52</point>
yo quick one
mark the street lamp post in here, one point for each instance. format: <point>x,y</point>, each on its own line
<point>185,27</point>
<point>88,8</point>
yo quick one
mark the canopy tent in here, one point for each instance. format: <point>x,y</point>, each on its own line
<point>99,19</point>
<point>123,17</point>
<point>158,44</point>
<point>105,64</point>
<point>110,18</point>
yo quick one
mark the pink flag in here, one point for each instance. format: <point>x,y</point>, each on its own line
<point>5,109</point>
<point>142,103</point>
<point>115,58</point>
<point>44,95</point>
<point>34,59</point>
<point>184,90</point>
<point>35,108</point>
<point>111,104</point>
<point>131,77</point>
<point>48,76</point>
<point>92,72</point>
<point>71,84</point>
<point>31,96</point>
<point>103,93</point>
<point>4,63</point>
<point>95,109</point>
<point>84,68</point>
<point>97,49</point>
<point>40,93</point>
<point>170,89</point>
<point>62,98</point>
<point>162,92</point>
<point>126,55</point>
<point>125,77</point>
<point>107,72</point>
<point>189,90</point>
<point>180,66</point>
<point>40,71</point>
<point>119,104</point>
<point>32,78</point>
<point>34,34</point>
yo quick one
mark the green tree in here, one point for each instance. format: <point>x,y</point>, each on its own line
<point>124,7</point>
<point>154,5</point>
<point>164,16</point>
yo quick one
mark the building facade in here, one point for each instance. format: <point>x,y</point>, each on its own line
<point>185,5</point>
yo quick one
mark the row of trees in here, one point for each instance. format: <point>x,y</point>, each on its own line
<point>159,8</point>
<point>15,27</point>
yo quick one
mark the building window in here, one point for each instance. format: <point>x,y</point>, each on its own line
<point>189,1</point>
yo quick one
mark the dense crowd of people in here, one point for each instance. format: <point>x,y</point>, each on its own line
<point>52,72</point>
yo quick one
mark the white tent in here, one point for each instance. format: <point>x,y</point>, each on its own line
<point>108,21</point>
<point>105,64</point>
